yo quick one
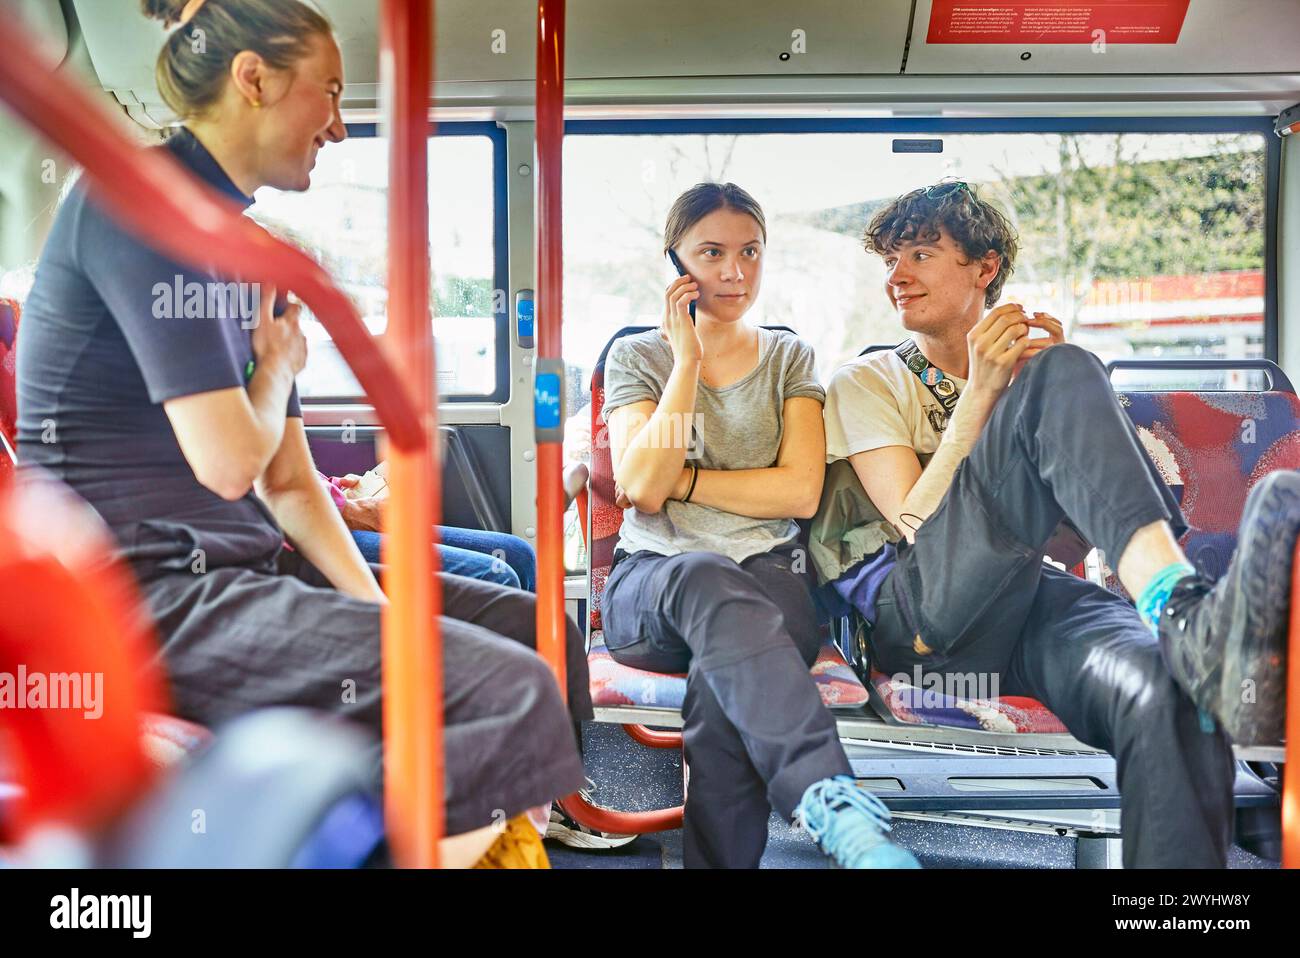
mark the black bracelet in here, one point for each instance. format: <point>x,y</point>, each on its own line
<point>695,474</point>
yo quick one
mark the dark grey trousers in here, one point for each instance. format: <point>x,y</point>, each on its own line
<point>974,588</point>
<point>238,639</point>
<point>755,727</point>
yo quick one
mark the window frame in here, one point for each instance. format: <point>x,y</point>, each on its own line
<point>500,259</point>
<point>938,126</point>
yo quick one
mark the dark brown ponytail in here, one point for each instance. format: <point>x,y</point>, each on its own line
<point>195,60</point>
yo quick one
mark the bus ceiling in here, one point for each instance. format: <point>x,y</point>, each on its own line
<point>629,59</point>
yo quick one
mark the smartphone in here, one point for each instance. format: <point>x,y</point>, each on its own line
<point>681,271</point>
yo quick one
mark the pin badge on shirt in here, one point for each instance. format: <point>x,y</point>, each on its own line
<point>917,363</point>
<point>945,387</point>
<point>932,376</point>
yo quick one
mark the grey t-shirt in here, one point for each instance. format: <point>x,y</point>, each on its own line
<point>736,427</point>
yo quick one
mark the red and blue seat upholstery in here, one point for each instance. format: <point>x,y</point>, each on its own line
<point>614,685</point>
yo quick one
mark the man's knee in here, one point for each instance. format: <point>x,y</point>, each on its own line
<point>1066,363</point>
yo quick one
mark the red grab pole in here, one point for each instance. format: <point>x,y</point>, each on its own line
<point>548,398</point>
<point>412,645</point>
<point>549,368</point>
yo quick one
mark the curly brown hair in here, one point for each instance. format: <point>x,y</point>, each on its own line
<point>975,225</point>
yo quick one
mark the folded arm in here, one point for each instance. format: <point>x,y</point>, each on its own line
<point>789,490</point>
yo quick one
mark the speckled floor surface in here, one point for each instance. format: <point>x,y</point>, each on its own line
<point>633,777</point>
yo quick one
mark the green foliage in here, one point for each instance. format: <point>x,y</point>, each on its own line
<point>1123,219</point>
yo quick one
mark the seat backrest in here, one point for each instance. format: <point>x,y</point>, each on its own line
<point>9,312</point>
<point>604,516</point>
<point>1211,448</point>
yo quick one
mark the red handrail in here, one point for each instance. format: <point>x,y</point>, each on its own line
<point>550,459</point>
<point>412,642</point>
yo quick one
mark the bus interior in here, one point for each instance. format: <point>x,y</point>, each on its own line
<point>1148,167</point>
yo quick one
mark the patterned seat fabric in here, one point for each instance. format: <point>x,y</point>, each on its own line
<point>168,739</point>
<point>1211,448</point>
<point>1008,713</point>
<point>613,684</point>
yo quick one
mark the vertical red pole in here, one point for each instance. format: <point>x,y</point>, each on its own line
<point>412,646</point>
<point>1291,780</point>
<point>549,320</point>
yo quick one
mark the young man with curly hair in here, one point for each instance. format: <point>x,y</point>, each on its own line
<point>973,442</point>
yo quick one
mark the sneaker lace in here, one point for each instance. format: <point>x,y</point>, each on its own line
<point>820,813</point>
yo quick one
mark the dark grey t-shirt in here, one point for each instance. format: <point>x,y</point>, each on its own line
<point>109,332</point>
<point>737,427</point>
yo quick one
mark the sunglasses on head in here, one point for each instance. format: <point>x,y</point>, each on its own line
<point>940,190</point>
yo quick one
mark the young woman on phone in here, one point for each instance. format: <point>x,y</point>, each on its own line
<point>718,446</point>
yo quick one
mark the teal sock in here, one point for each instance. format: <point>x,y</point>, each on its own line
<point>1152,602</point>
<point>1154,597</point>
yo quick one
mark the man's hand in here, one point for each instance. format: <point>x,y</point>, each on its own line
<point>363,515</point>
<point>1055,335</point>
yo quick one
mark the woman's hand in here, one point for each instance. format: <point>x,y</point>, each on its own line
<point>279,338</point>
<point>678,327</point>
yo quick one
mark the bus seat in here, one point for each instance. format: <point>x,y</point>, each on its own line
<point>909,705</point>
<point>168,739</point>
<point>612,684</point>
<point>1211,448</point>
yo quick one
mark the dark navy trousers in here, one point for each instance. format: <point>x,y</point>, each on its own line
<point>974,587</point>
<point>756,732</point>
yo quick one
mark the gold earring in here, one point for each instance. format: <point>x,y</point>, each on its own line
<point>256,104</point>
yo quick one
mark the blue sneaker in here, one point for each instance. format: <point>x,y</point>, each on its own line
<point>849,824</point>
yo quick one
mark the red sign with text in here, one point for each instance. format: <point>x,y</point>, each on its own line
<point>1056,21</point>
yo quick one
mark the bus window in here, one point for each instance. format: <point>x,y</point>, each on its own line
<point>342,220</point>
<point>1144,244</point>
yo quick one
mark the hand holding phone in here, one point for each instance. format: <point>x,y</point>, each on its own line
<point>681,271</point>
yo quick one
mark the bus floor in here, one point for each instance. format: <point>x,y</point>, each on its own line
<point>633,777</point>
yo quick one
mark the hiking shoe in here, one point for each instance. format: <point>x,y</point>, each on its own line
<point>850,825</point>
<point>1225,642</point>
<point>566,831</point>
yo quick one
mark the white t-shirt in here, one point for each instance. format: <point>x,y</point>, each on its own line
<point>876,401</point>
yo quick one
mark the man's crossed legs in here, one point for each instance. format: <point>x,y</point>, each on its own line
<point>972,595</point>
